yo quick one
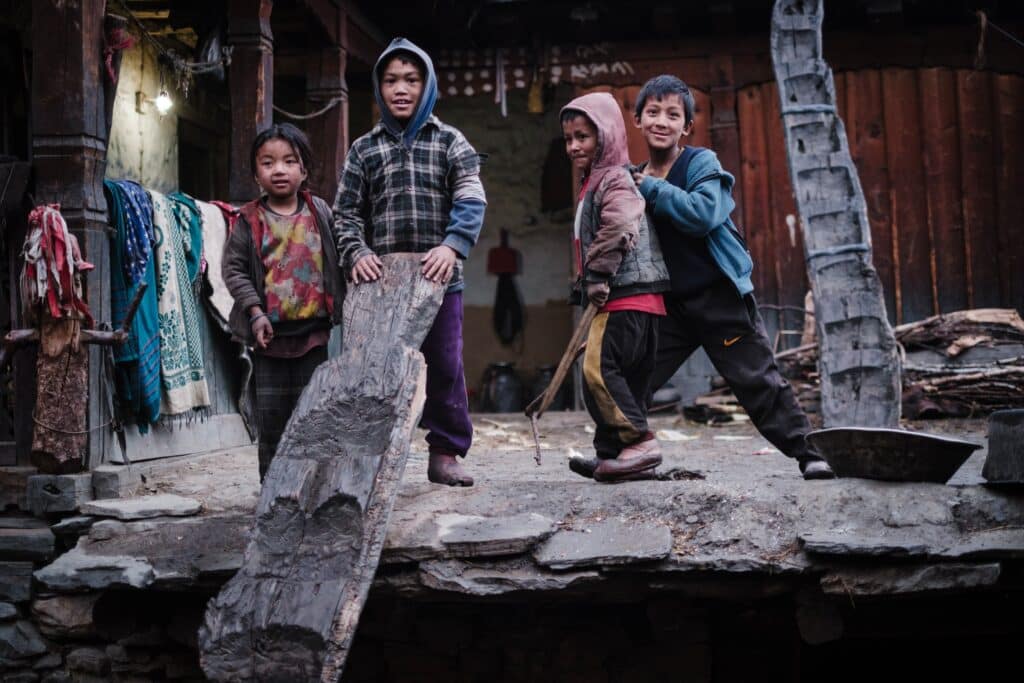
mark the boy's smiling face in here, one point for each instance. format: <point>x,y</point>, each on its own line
<point>663,122</point>
<point>401,85</point>
<point>580,137</point>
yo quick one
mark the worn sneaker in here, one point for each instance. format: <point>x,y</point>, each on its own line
<point>816,469</point>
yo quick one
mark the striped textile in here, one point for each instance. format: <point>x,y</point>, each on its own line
<point>182,375</point>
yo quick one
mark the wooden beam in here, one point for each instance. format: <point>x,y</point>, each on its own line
<point>251,83</point>
<point>328,133</point>
<point>328,16</point>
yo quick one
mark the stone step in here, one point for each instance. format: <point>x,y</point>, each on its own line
<point>15,581</point>
<point>14,487</point>
<point>57,493</point>
<point>144,507</point>
<point>26,544</point>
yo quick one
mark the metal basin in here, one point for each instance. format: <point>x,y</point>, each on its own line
<point>891,454</point>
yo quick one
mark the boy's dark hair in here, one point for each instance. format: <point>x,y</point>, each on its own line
<point>290,134</point>
<point>405,57</point>
<point>571,115</point>
<point>660,87</point>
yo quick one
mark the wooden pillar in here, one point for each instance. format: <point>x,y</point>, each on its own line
<point>328,133</point>
<point>69,138</point>
<point>251,82</point>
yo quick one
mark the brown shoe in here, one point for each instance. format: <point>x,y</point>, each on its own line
<point>444,468</point>
<point>633,459</point>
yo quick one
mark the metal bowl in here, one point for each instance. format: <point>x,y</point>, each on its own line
<point>891,454</point>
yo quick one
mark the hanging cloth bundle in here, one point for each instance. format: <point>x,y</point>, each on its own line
<point>51,276</point>
<point>506,263</point>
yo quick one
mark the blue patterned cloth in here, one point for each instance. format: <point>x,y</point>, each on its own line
<point>137,373</point>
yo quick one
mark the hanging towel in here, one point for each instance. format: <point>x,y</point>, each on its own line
<point>215,235</point>
<point>137,361</point>
<point>181,346</point>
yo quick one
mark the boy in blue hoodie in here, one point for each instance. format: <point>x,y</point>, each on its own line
<point>412,184</point>
<point>711,302</point>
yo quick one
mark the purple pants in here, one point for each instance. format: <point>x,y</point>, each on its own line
<point>446,411</point>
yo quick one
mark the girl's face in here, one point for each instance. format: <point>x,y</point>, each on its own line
<point>279,169</point>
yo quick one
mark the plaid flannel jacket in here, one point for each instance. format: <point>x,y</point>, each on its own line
<point>394,199</point>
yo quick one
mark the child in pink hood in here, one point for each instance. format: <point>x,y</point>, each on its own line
<point>620,270</point>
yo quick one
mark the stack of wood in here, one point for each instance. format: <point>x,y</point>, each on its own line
<point>961,364</point>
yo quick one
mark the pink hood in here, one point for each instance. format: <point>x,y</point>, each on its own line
<point>612,150</point>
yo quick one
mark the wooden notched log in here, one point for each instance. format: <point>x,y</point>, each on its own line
<point>859,366</point>
<point>291,611</point>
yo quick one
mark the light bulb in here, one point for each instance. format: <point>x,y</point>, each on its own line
<point>163,102</point>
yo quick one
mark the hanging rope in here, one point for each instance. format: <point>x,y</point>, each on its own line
<point>312,115</point>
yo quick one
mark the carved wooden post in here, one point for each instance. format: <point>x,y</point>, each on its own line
<point>328,133</point>
<point>290,612</point>
<point>859,367</point>
<point>69,146</point>
<point>251,82</point>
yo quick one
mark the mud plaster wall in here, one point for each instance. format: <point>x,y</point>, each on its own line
<point>517,147</point>
<point>143,147</point>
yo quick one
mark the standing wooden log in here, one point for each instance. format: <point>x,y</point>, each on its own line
<point>292,609</point>
<point>860,374</point>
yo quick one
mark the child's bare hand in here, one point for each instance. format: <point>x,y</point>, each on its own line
<point>638,177</point>
<point>367,269</point>
<point>439,263</point>
<point>263,331</point>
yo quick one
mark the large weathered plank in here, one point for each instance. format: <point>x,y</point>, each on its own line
<point>1009,108</point>
<point>859,368</point>
<point>942,187</point>
<point>974,104</point>
<point>911,245</point>
<point>787,262</point>
<point>865,127</point>
<point>756,206</point>
<point>291,611</point>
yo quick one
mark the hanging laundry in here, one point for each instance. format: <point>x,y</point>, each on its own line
<point>215,235</point>
<point>181,346</point>
<point>137,361</point>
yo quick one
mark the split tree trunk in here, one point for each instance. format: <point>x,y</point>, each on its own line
<point>292,609</point>
<point>858,364</point>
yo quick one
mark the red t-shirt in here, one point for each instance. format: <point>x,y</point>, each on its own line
<point>645,303</point>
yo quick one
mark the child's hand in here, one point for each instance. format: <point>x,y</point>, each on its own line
<point>638,177</point>
<point>598,293</point>
<point>439,263</point>
<point>262,330</point>
<point>367,269</point>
